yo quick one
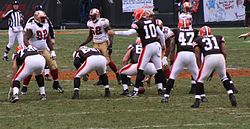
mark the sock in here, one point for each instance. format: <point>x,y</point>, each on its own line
<point>113,66</point>
<point>46,71</point>
<point>170,85</point>
<point>227,86</point>
<point>26,81</point>
<point>159,86</point>
<point>104,79</point>
<point>167,73</point>
<point>76,88</point>
<point>106,87</point>
<point>42,90</point>
<point>7,49</point>
<point>40,80</point>
<point>198,91</point>
<point>54,74</point>
<point>139,78</point>
<point>77,83</point>
<point>125,86</point>
<point>15,91</point>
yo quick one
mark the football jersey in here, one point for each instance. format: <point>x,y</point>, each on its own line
<point>210,44</point>
<point>167,32</point>
<point>184,39</point>
<point>146,29</point>
<point>39,34</point>
<point>84,53</point>
<point>186,16</point>
<point>22,54</point>
<point>98,30</point>
<point>135,52</point>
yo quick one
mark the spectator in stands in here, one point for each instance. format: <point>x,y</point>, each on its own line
<point>247,11</point>
<point>85,6</point>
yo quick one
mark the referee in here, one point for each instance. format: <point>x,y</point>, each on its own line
<point>15,20</point>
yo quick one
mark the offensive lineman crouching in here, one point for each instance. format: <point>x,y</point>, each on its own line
<point>29,61</point>
<point>37,36</point>
<point>85,60</point>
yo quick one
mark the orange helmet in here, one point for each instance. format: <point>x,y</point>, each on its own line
<point>94,14</point>
<point>205,31</point>
<point>184,24</point>
<point>138,14</point>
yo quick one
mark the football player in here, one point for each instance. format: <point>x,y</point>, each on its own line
<point>148,32</point>
<point>37,35</point>
<point>25,62</point>
<point>130,69</point>
<point>87,57</point>
<point>98,28</point>
<point>214,50</point>
<point>187,12</point>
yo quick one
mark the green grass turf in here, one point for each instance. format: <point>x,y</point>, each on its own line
<point>146,111</point>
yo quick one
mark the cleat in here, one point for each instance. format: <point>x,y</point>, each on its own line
<point>164,100</point>
<point>76,94</point>
<point>118,78</point>
<point>57,87</point>
<point>98,83</point>
<point>85,77</point>
<point>5,58</point>
<point>196,103</point>
<point>125,92</point>
<point>107,92</point>
<point>232,100</point>
<point>24,90</point>
<point>14,98</point>
<point>47,78</point>
<point>204,99</point>
<point>133,94</point>
<point>160,92</point>
<point>43,97</point>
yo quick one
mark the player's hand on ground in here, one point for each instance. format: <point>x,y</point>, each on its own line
<point>111,32</point>
<point>53,55</point>
<point>243,36</point>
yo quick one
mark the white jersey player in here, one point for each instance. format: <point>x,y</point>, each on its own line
<point>186,14</point>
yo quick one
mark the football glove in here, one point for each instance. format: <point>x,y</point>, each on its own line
<point>164,61</point>
<point>53,55</point>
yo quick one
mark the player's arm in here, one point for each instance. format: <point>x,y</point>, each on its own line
<point>6,15</point>
<point>27,35</point>
<point>169,41</point>
<point>245,35</point>
<point>197,51</point>
<point>161,36</point>
<point>51,31</point>
<point>14,71</point>
<point>126,57</point>
<point>172,51</point>
<point>89,38</point>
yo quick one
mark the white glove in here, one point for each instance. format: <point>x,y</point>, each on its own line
<point>164,61</point>
<point>53,55</point>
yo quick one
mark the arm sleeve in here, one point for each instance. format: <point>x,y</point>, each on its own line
<point>126,33</point>
<point>51,30</point>
<point>161,36</point>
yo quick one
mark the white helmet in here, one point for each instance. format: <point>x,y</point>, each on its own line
<point>94,14</point>
<point>40,16</point>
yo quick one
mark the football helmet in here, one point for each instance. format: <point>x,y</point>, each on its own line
<point>40,17</point>
<point>149,14</point>
<point>94,14</point>
<point>205,31</point>
<point>138,14</point>
<point>184,24</point>
<point>187,6</point>
<point>159,23</point>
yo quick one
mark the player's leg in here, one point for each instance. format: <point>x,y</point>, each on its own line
<point>193,68</point>
<point>26,81</point>
<point>127,70</point>
<point>221,69</point>
<point>231,83</point>
<point>46,73</point>
<point>53,70</point>
<point>12,37</point>
<point>101,69</point>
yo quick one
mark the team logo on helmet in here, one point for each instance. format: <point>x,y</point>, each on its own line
<point>205,31</point>
<point>94,14</point>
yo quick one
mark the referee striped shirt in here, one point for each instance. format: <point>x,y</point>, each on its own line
<point>15,18</point>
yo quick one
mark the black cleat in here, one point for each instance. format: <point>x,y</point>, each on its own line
<point>133,94</point>
<point>43,97</point>
<point>204,99</point>
<point>164,99</point>
<point>24,90</point>
<point>107,92</point>
<point>5,58</point>
<point>160,92</point>
<point>14,98</point>
<point>196,104</point>
<point>57,87</point>
<point>98,83</point>
<point>76,94</point>
<point>47,78</point>
<point>232,100</point>
<point>125,92</point>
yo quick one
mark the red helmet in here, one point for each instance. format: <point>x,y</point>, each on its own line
<point>159,23</point>
<point>205,31</point>
<point>94,14</point>
<point>184,23</point>
<point>138,13</point>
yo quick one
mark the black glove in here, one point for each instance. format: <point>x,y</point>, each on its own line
<point>110,49</point>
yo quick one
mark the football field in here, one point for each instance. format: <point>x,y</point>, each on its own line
<point>93,111</point>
